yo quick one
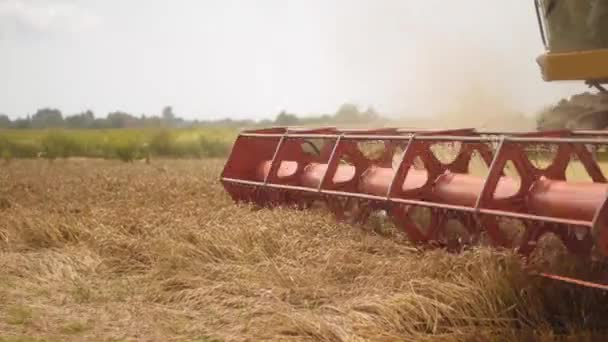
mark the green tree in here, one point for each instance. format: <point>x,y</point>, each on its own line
<point>348,112</point>
<point>5,122</point>
<point>286,119</point>
<point>121,120</point>
<point>47,118</point>
<point>22,123</point>
<point>168,115</point>
<point>82,120</point>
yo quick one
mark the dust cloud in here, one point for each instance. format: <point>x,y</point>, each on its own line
<point>463,85</point>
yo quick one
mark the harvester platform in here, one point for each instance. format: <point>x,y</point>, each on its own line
<point>443,188</point>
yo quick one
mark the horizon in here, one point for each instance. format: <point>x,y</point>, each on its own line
<point>212,60</point>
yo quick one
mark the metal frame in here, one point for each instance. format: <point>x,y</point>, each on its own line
<point>582,236</point>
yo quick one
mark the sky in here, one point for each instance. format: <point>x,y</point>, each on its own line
<point>213,59</point>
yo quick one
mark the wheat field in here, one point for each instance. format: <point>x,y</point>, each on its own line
<point>94,250</point>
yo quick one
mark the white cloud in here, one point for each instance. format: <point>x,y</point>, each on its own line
<point>45,17</point>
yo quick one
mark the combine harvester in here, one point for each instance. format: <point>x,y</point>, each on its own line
<point>454,188</point>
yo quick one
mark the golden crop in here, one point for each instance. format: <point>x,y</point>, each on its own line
<point>94,250</point>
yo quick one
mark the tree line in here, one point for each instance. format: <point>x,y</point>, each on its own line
<point>53,118</point>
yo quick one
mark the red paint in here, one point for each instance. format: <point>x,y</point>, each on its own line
<point>377,180</point>
<point>270,168</point>
<point>313,174</point>
<point>571,200</point>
